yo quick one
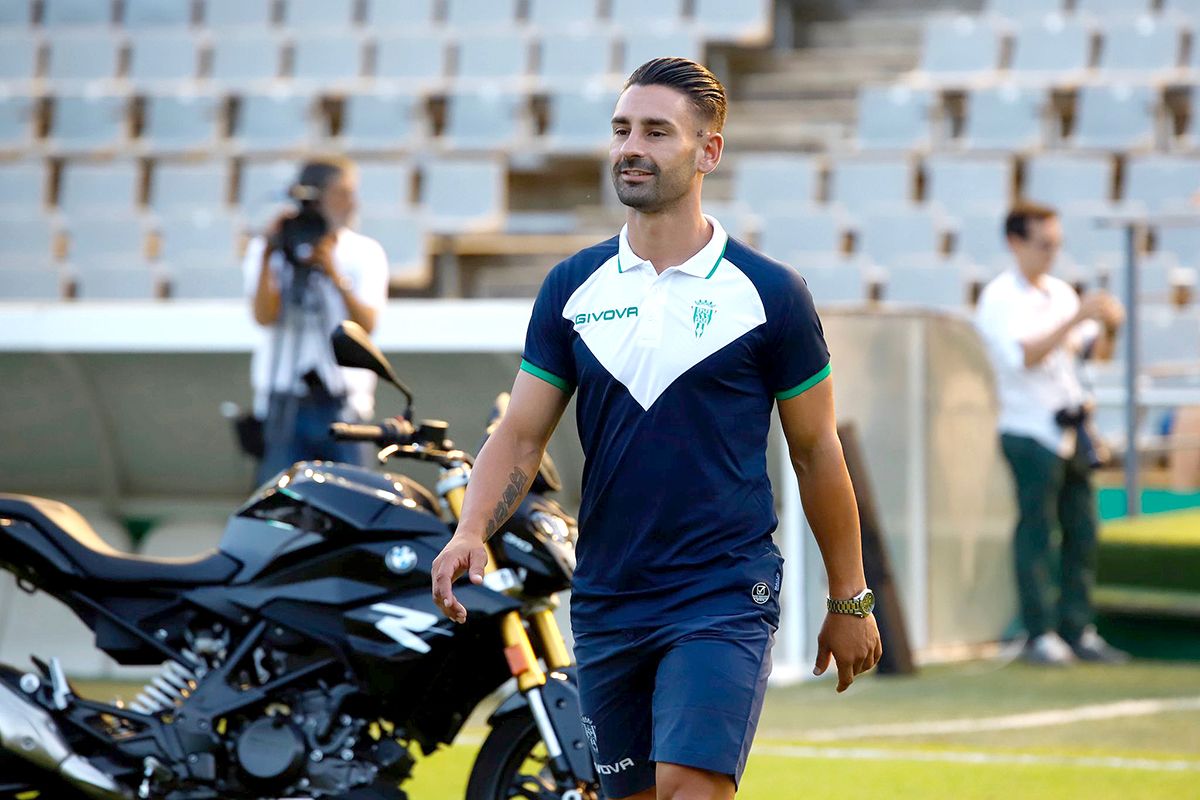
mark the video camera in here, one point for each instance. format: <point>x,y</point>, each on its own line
<point>299,234</point>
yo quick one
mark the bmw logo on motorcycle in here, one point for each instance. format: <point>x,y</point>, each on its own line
<point>401,559</point>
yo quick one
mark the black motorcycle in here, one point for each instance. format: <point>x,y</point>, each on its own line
<point>304,658</point>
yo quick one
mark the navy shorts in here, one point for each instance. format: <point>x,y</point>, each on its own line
<point>687,693</point>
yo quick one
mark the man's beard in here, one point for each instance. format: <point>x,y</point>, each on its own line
<point>651,195</point>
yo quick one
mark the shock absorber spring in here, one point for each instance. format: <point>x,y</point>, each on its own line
<point>167,690</point>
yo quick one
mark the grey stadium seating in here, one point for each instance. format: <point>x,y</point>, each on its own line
<point>468,14</point>
<point>872,184</point>
<point>1018,9</point>
<point>329,59</point>
<point>117,281</point>
<point>383,121</point>
<point>559,15</point>
<point>326,15</point>
<point>961,47</point>
<point>570,59</point>
<point>82,57</point>
<point>899,237</point>
<point>1143,44</point>
<point>415,61</point>
<point>16,121</point>
<point>1113,8</point>
<point>24,185</point>
<point>163,57</point>
<point>245,14</point>
<point>199,237</point>
<point>934,286</point>
<point>16,15</point>
<point>634,14</point>
<point>963,184</point>
<point>184,186</point>
<point>810,234</point>
<point>30,280</point>
<point>894,118</point>
<point>96,238</point>
<point>157,14</point>
<point>979,238</point>
<point>70,13</point>
<point>1051,48</point>
<point>485,120</point>
<point>18,58</point>
<point>1116,117</point>
<point>494,57</point>
<point>645,43</point>
<point>776,182</point>
<point>177,123</point>
<point>385,186</point>
<point>747,21</point>
<point>833,281</point>
<point>388,14</point>
<point>1005,117</point>
<point>274,122</point>
<point>262,189</point>
<point>463,194</point>
<point>1161,183</point>
<point>26,235</point>
<point>244,58</point>
<point>107,186</point>
<point>1069,181</point>
<point>580,121</point>
<point>402,235</point>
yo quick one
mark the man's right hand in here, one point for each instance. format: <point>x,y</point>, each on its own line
<point>1095,306</point>
<point>463,553</point>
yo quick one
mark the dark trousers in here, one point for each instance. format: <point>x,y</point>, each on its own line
<point>1052,489</point>
<point>297,429</point>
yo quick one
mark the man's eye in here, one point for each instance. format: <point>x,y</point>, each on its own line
<point>620,132</point>
<point>658,134</point>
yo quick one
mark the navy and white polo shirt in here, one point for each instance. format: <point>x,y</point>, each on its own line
<point>677,375</point>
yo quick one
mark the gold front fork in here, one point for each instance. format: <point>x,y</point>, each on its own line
<point>517,648</point>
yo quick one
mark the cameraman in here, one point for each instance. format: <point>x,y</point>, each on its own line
<point>306,275</point>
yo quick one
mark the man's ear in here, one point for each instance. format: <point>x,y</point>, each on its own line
<point>710,153</point>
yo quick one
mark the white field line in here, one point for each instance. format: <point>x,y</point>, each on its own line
<point>1030,719</point>
<point>1007,759</point>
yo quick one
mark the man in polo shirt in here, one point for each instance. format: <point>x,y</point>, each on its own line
<point>679,341</point>
<point>1036,328</point>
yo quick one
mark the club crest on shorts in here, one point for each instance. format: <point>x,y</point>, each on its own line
<point>702,314</point>
<point>761,593</point>
<point>589,730</point>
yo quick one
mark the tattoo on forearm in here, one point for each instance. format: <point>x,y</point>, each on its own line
<point>516,487</point>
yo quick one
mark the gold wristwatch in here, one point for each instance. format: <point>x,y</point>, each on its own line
<point>858,606</point>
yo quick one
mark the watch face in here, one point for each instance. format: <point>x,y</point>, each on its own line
<point>868,602</point>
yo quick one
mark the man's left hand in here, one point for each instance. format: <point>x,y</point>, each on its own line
<point>853,642</point>
<point>322,257</point>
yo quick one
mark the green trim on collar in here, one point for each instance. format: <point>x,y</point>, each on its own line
<point>719,259</point>
<point>800,389</point>
<point>548,377</point>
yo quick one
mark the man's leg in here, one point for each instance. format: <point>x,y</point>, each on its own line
<point>1077,515</point>
<point>1038,474</point>
<point>677,782</point>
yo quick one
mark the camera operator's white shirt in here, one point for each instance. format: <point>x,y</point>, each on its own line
<point>361,260</point>
<point>1013,311</point>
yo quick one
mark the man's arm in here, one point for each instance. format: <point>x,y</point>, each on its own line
<point>1094,306</point>
<point>810,427</point>
<point>266,291</point>
<point>361,312</point>
<point>500,478</point>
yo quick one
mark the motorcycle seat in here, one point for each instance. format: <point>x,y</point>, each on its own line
<point>67,530</point>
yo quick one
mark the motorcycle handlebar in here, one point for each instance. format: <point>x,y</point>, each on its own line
<point>387,433</point>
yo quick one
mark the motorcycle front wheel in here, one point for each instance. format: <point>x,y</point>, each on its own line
<point>512,763</point>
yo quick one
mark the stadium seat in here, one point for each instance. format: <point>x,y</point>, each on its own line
<point>178,123</point>
<point>113,187</point>
<point>385,186</point>
<point>18,58</point>
<point>961,46</point>
<point>273,122</point>
<point>871,184</point>
<point>1181,8</point>
<point>1113,8</point>
<point>163,57</point>
<point>957,184</point>
<point>113,281</point>
<point>770,183</point>
<point>899,236</point>
<point>979,238</point>
<point>66,13</point>
<point>1181,242</point>
<point>1069,181</point>
<point>571,59</point>
<point>1116,117</point>
<point>382,121</point>
<point>187,186</point>
<point>402,236</point>
<point>198,237</point>
<point>262,189</point>
<point>25,234</point>
<point>16,121</point>
<point>580,121</point>
<point>95,239</point>
<point>832,280</point>
<point>411,15</point>
<point>939,286</point>
<point>1156,275</point>
<point>806,232</point>
<point>557,15</point>
<point>327,59</point>
<point>1161,183</point>
<point>463,194</point>
<point>244,14</point>
<point>16,14</point>
<point>1053,48</point>
<point>634,15</point>
<point>140,14</point>
<point>645,43</point>
<point>1143,44</point>
<point>325,15</point>
<point>30,281</point>
<point>1169,335</point>
<point>1005,117</point>
<point>1016,9</point>
<point>411,60</point>
<point>485,120</point>
<point>78,57</point>
<point>894,118</point>
<point>501,57</point>
<point>201,280</point>
<point>1191,133</point>
<point>24,184</point>
<point>467,14</point>
<point>1100,247</point>
<point>88,122</point>
<point>745,22</point>
<point>241,58</point>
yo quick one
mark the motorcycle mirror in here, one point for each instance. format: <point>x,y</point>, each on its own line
<point>352,347</point>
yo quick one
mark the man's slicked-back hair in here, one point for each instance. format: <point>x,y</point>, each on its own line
<point>317,173</point>
<point>1016,224</point>
<point>694,80</point>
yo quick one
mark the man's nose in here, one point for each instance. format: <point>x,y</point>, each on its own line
<point>633,146</point>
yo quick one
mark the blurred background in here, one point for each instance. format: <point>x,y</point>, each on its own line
<point>873,144</point>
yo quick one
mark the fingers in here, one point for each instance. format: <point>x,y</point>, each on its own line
<point>478,560</point>
<point>845,675</point>
<point>823,655</point>
<point>445,570</point>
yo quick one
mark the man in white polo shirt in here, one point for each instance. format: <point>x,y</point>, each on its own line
<point>1036,329</point>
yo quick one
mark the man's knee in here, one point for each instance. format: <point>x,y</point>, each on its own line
<point>677,782</point>
<point>645,794</point>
